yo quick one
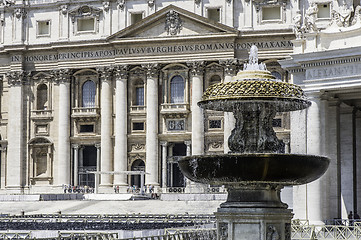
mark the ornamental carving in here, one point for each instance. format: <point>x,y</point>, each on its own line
<point>215,145</point>
<point>173,23</point>
<point>7,3</point>
<point>15,78</point>
<point>272,233</point>
<point>151,3</point>
<point>63,9</point>
<point>105,73</point>
<point>106,5</point>
<point>137,147</point>
<point>20,13</point>
<point>196,68</point>
<point>260,3</point>
<point>121,71</point>
<point>62,75</point>
<point>342,17</point>
<point>121,4</point>
<point>152,70</point>
<point>197,1</point>
<point>230,66</point>
<point>253,88</point>
<point>84,11</point>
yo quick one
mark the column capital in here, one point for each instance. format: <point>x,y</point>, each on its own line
<point>188,143</point>
<point>15,78</point>
<point>76,146</point>
<point>97,145</point>
<point>105,73</point>
<point>121,72</point>
<point>63,9</point>
<point>230,66</point>
<point>62,75</point>
<point>163,143</point>
<point>196,68</point>
<point>152,70</point>
<point>121,4</point>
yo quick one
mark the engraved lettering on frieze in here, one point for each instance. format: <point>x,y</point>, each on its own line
<point>223,231</point>
<point>333,71</point>
<point>15,78</point>
<point>121,4</point>
<point>175,125</point>
<point>173,23</point>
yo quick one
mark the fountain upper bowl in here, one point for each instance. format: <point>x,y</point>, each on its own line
<point>238,169</point>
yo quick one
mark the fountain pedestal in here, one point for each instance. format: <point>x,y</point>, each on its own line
<point>254,212</point>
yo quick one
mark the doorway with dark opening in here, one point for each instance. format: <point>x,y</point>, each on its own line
<point>87,163</point>
<point>138,165</point>
<point>175,176</point>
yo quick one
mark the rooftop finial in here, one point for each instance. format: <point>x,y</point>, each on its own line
<point>253,60</point>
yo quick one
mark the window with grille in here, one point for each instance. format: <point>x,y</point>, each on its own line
<point>88,93</point>
<point>177,90</point>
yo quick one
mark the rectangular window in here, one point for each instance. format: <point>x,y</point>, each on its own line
<point>271,13</point>
<point>214,14</point>
<point>87,128</point>
<point>139,96</point>
<point>138,126</point>
<point>213,124</point>
<point>86,25</point>
<point>43,28</point>
<point>136,17</point>
<point>323,11</point>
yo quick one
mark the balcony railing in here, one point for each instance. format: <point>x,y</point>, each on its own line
<point>137,108</point>
<point>80,112</point>
<point>41,114</point>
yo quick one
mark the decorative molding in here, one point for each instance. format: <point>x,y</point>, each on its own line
<point>63,9</point>
<point>7,3</point>
<point>121,4</point>
<point>62,75</point>
<point>106,5</point>
<point>15,78</point>
<point>260,3</point>
<point>85,11</point>
<point>331,62</point>
<point>133,157</point>
<point>151,3</point>
<point>138,147</point>
<point>173,23</point>
<point>196,68</point>
<point>152,70</point>
<point>121,71</point>
<point>163,143</point>
<point>105,73</point>
<point>20,13</point>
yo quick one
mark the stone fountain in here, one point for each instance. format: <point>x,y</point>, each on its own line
<point>256,168</point>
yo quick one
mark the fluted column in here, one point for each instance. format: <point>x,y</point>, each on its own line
<point>15,177</point>
<point>63,161</point>
<point>106,125</point>
<point>196,70</point>
<point>230,69</point>
<point>76,164</point>
<point>151,164</point>
<point>121,140</point>
<point>164,145</point>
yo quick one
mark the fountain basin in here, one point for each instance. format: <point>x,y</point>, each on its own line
<point>236,169</point>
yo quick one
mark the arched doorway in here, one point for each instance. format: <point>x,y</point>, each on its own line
<point>138,165</point>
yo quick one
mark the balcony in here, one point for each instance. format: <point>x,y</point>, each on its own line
<point>41,115</point>
<point>85,113</point>
<point>175,109</point>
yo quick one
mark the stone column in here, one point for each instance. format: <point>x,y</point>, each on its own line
<point>76,164</point>
<point>106,125</point>
<point>63,161</point>
<point>121,139</point>
<point>317,191</point>
<point>164,145</point>
<point>15,175</point>
<point>188,153</point>
<point>3,153</point>
<point>196,70</point>
<point>151,145</point>
<point>98,176</point>
<point>230,69</point>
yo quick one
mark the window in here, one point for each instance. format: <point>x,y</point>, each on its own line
<point>42,97</point>
<point>43,28</point>
<point>177,89</point>
<point>271,13</point>
<point>215,124</point>
<point>86,25</point>
<point>139,96</point>
<point>88,94</point>
<point>136,17</point>
<point>214,14</point>
<point>323,10</point>
<point>86,128</point>
<point>138,126</point>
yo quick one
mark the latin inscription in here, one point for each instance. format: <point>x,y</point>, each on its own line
<point>119,52</point>
<point>333,71</point>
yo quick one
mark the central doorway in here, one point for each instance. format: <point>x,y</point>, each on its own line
<point>87,162</point>
<point>135,180</point>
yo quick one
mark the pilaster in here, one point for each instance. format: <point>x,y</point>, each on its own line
<point>19,16</point>
<point>63,22</point>
<point>121,139</point>
<point>164,145</point>
<point>76,164</point>
<point>151,164</point>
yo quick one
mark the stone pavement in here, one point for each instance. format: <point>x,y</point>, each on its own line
<point>110,207</point>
